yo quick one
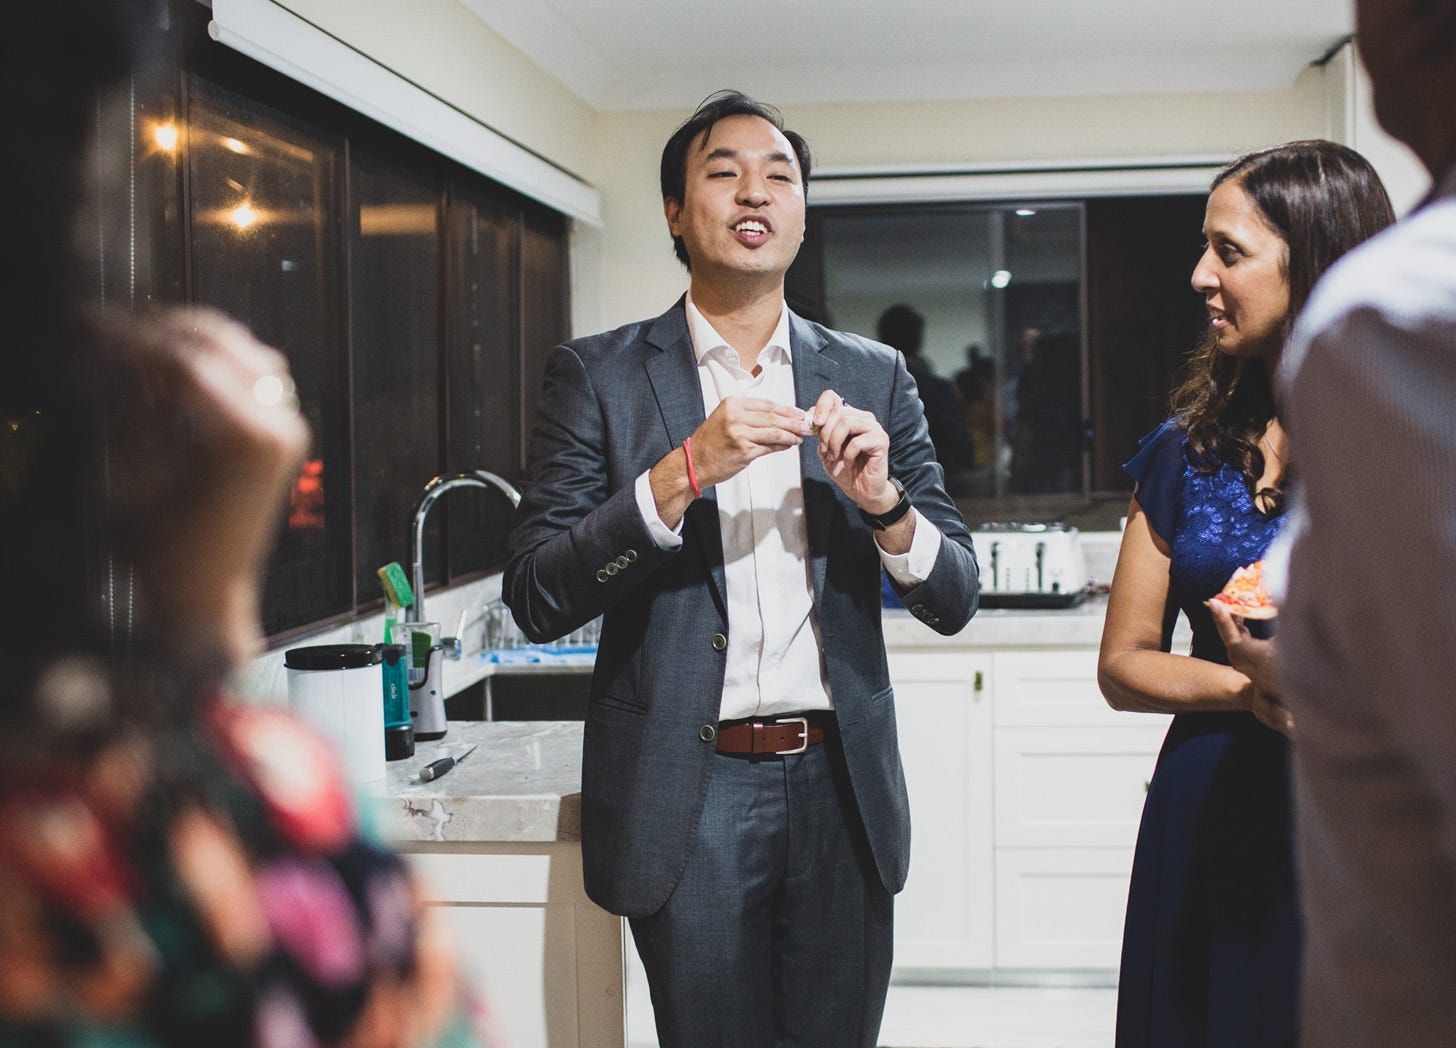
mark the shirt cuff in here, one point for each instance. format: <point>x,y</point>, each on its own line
<point>913,567</point>
<point>663,536</point>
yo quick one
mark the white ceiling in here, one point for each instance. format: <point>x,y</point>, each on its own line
<point>669,54</point>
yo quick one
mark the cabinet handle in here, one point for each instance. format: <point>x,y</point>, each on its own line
<point>980,682</point>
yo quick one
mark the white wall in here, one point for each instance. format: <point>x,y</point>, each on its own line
<point>442,47</point>
<point>1351,119</point>
<point>625,270</point>
<point>635,275</point>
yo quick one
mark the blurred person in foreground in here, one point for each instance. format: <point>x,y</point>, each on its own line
<point>177,868</point>
<point>1211,944</point>
<point>1367,637</point>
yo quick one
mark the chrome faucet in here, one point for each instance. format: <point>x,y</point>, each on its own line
<point>478,478</point>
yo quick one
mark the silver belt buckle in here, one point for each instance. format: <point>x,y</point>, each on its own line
<point>803,723</point>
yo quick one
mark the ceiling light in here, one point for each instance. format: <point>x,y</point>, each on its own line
<point>1026,212</point>
<point>1000,278</point>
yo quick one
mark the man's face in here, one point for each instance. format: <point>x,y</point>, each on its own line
<point>742,212</point>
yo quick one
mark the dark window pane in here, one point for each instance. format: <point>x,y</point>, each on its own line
<point>545,307</point>
<point>265,248</point>
<point>484,367</point>
<point>1143,318</point>
<point>395,245</point>
<point>1040,279</point>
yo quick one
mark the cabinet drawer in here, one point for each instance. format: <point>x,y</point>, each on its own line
<point>1073,786</point>
<point>943,917</point>
<point>1060,907</point>
<point>1051,688</point>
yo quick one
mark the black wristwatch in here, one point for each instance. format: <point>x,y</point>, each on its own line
<point>891,516</point>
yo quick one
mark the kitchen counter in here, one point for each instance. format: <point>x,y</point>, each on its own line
<point>1000,628</point>
<point>522,783</point>
<point>496,844</point>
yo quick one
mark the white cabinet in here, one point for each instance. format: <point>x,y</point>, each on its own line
<point>944,917</point>
<point>547,959</point>
<point>1026,791</point>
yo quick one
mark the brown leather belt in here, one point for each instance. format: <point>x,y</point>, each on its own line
<point>783,734</point>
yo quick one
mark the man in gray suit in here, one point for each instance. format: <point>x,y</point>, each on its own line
<point>1367,641</point>
<point>725,483</point>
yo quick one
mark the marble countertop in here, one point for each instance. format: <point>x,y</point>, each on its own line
<point>522,782</point>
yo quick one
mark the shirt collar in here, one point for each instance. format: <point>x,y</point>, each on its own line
<point>705,339</point>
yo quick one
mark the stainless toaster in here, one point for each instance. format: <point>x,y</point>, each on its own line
<point>1030,565</point>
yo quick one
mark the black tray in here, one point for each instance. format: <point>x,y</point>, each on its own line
<point>1033,601</point>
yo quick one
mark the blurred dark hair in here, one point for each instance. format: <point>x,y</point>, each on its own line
<point>1322,199</point>
<point>716,107</point>
<point>902,327</point>
<point>63,61</point>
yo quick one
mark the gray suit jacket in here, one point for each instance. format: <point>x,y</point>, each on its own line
<point>612,406</point>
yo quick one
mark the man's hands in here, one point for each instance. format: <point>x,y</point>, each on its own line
<point>853,446</point>
<point>739,430</point>
<point>742,429</point>
<point>855,450</point>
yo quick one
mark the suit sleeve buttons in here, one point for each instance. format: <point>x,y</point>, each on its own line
<point>602,575</point>
<point>924,614</point>
<point>622,561</point>
<point>719,642</point>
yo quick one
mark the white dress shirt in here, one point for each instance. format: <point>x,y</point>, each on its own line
<point>774,654</point>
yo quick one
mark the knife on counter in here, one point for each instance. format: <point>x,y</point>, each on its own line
<point>432,771</point>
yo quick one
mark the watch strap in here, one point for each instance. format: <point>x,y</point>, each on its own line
<point>891,516</point>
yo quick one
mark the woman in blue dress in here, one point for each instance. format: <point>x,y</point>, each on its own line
<point>1211,946</point>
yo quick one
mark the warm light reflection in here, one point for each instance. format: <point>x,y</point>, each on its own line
<point>306,503</point>
<point>165,135</point>
<point>234,145</point>
<point>387,219</point>
<point>243,216</point>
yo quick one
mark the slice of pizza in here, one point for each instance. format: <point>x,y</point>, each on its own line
<point>1245,594</point>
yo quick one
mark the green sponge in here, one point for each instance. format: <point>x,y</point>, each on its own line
<point>396,585</point>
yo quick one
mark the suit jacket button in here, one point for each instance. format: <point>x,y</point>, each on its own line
<point>719,642</point>
<point>601,575</point>
<point>611,568</point>
<point>622,562</point>
<point>707,733</point>
<point>631,555</point>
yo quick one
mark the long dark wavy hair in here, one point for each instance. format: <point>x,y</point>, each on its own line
<point>1322,199</point>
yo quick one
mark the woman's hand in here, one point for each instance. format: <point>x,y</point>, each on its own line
<point>1254,658</point>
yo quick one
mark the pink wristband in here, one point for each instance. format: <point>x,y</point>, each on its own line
<point>692,473</point>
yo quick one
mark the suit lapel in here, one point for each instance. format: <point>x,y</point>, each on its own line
<point>673,372</point>
<point>814,372</point>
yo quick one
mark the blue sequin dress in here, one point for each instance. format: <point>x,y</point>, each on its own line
<point>1211,944</point>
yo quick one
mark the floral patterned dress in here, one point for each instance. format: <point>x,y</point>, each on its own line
<point>208,884</point>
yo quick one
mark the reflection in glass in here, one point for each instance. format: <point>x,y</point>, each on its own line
<point>262,186</point>
<point>987,304</point>
<point>395,322</point>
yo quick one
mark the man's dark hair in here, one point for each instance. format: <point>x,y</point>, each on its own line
<point>902,327</point>
<point>715,107</point>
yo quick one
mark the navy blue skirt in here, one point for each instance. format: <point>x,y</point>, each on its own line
<point>1211,946</point>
